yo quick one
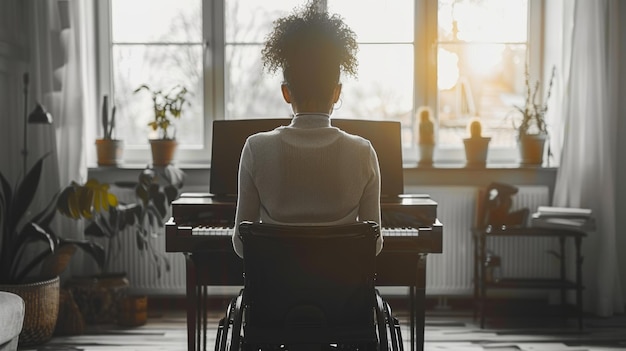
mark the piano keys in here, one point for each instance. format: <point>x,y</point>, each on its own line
<point>229,231</point>
<point>210,238</point>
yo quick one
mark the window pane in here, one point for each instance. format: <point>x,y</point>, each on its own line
<point>164,21</point>
<point>483,21</point>
<point>481,59</point>
<point>250,91</point>
<point>161,67</point>
<point>383,88</point>
<point>375,20</point>
<point>482,81</point>
<point>249,21</point>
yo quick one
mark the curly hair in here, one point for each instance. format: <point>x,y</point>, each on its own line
<point>312,48</point>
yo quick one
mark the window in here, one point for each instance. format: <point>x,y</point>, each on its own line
<point>462,58</point>
<point>159,43</point>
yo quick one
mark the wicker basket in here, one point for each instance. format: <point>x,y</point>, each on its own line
<point>42,308</point>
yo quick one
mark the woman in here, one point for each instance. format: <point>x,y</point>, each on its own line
<point>309,172</point>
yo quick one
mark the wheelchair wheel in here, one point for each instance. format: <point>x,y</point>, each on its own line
<point>393,326</point>
<point>230,327</point>
<point>222,330</point>
<point>384,335</point>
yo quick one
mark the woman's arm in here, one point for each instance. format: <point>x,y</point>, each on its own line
<point>369,208</point>
<point>248,202</point>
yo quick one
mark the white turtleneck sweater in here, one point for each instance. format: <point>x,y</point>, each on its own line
<point>308,173</point>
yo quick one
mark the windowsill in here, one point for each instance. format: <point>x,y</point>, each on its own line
<point>139,166</point>
<point>463,165</point>
<point>440,174</point>
<point>406,166</point>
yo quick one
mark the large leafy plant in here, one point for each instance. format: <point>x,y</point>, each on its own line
<point>20,233</point>
<point>108,218</point>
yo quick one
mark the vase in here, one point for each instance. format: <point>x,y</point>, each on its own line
<point>531,148</point>
<point>109,152</point>
<point>476,150</point>
<point>41,299</point>
<point>163,151</point>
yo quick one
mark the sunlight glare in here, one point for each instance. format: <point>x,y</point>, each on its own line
<point>490,21</point>
<point>448,69</point>
<point>483,59</point>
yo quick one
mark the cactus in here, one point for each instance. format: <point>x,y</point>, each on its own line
<point>426,128</point>
<point>107,125</point>
<point>475,129</point>
<point>476,146</point>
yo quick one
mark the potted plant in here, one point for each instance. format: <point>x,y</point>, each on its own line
<point>532,130</point>
<point>426,141</point>
<point>476,146</point>
<point>98,296</point>
<point>20,233</point>
<point>166,107</point>
<point>109,150</point>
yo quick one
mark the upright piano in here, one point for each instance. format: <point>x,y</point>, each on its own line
<point>201,224</point>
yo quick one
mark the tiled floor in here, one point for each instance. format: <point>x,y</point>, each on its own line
<point>454,330</point>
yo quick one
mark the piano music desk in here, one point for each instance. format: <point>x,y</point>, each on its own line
<point>211,260</point>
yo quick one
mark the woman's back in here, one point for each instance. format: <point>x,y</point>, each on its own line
<point>310,172</point>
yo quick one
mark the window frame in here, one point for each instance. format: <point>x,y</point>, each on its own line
<point>424,81</point>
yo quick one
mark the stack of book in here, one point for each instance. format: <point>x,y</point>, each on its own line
<point>563,217</point>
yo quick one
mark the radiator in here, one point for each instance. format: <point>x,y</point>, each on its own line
<point>451,273</point>
<point>448,274</point>
<point>142,273</point>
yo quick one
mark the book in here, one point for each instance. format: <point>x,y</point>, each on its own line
<point>563,212</point>
<point>565,222</point>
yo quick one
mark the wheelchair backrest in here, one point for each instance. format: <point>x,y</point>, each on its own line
<point>309,275</point>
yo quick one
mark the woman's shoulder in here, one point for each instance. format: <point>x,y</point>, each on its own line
<point>356,140</point>
<point>261,137</point>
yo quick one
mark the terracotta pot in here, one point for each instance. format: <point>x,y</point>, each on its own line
<point>42,308</point>
<point>531,149</point>
<point>109,152</point>
<point>476,150</point>
<point>163,151</point>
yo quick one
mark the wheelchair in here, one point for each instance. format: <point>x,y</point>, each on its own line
<point>309,286</point>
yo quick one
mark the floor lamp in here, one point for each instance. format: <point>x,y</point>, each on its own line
<point>38,116</point>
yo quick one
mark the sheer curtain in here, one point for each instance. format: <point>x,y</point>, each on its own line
<point>63,75</point>
<point>588,160</point>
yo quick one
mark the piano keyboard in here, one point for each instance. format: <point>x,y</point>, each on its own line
<point>225,231</point>
<point>202,230</point>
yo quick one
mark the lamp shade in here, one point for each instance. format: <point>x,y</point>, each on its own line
<point>40,116</point>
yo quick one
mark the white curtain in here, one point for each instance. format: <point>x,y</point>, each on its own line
<point>63,71</point>
<point>588,160</point>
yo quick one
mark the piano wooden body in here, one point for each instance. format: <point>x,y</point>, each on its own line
<point>211,260</point>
